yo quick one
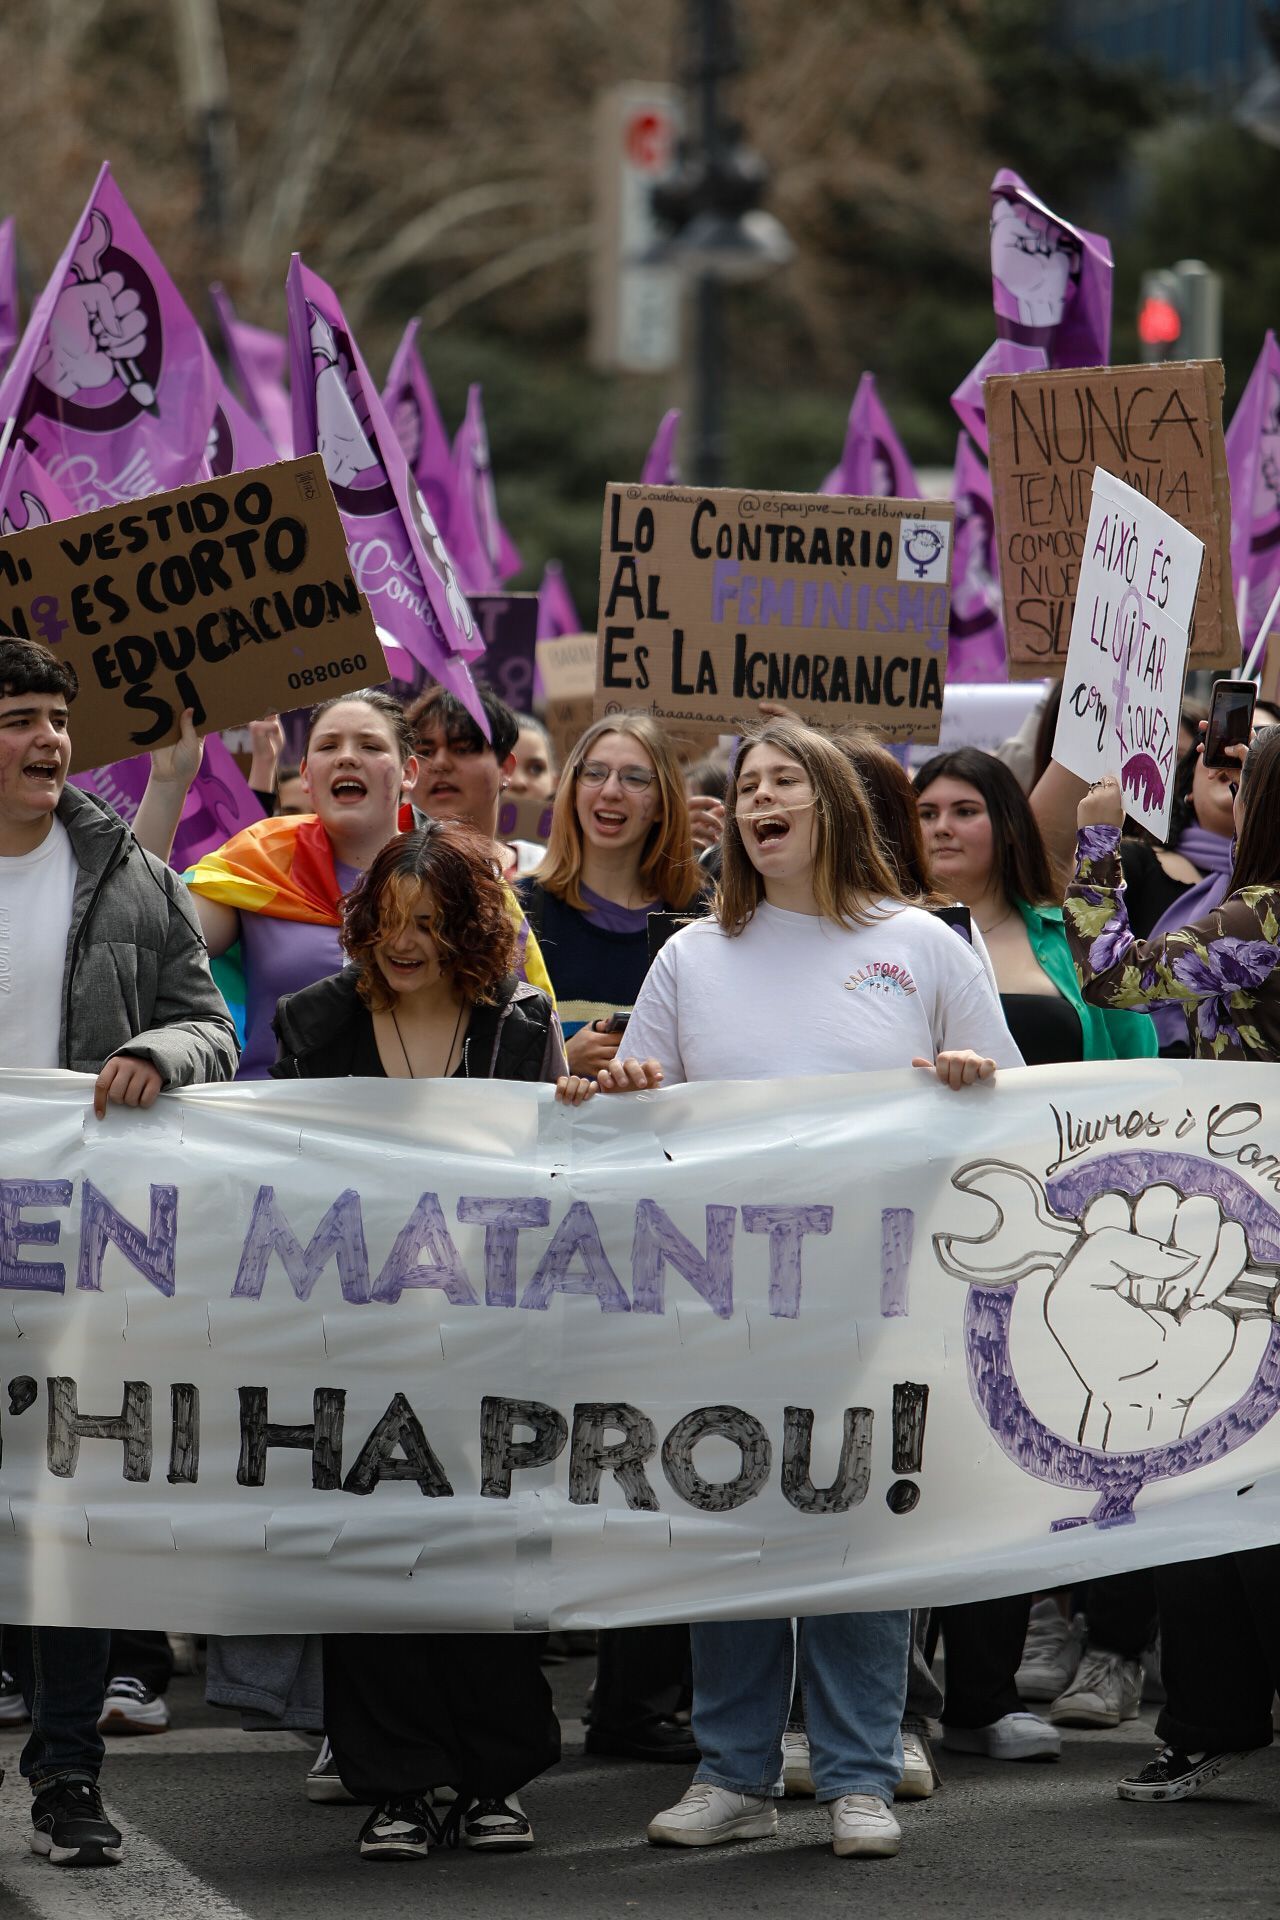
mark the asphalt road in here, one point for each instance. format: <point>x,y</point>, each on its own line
<point>217,1828</point>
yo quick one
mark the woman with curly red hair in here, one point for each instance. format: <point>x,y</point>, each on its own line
<point>428,993</point>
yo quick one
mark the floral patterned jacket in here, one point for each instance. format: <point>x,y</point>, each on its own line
<point>1225,969</point>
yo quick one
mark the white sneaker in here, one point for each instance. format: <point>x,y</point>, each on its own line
<point>13,1708</point>
<point>1105,1691</point>
<point>324,1783</point>
<point>862,1824</point>
<point>498,1825</point>
<point>1051,1652</point>
<point>131,1707</point>
<point>1015,1736</point>
<point>917,1781</point>
<point>706,1815</point>
<point>797,1780</point>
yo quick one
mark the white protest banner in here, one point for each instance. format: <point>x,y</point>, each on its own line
<point>1127,656</point>
<point>381,1356</point>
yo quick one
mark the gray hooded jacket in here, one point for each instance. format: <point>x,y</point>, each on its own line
<point>136,978</point>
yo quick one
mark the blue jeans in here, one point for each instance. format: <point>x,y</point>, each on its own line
<point>853,1678</point>
<point>62,1675</point>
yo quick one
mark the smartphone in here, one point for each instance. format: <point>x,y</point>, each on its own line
<point>1230,721</point>
<point>958,918</point>
<point>616,1023</point>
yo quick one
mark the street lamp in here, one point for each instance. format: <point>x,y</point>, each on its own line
<point>719,233</point>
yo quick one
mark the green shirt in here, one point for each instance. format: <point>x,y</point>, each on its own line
<point>1108,1034</point>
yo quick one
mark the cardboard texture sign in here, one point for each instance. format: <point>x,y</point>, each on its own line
<point>711,601</point>
<point>568,669</point>
<point>1159,430</point>
<point>1125,667</point>
<point>233,597</point>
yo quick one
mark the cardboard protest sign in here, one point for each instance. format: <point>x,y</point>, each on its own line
<point>233,597</point>
<point>509,623</point>
<point>1127,660</point>
<point>1159,429</point>
<point>524,816</point>
<point>567,666</point>
<point>711,601</point>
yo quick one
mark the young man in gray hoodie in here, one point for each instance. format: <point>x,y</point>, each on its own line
<point>102,970</point>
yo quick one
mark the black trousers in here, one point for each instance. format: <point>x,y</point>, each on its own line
<point>984,1642</point>
<point>1220,1659</point>
<point>642,1674</point>
<point>142,1656</point>
<point>409,1711</point>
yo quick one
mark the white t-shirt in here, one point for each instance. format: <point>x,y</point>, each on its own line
<point>796,994</point>
<point>36,892</point>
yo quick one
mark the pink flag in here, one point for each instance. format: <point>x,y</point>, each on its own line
<point>9,329</point>
<point>660,469</point>
<point>1003,356</point>
<point>977,650</point>
<point>1050,281</point>
<point>29,497</point>
<point>1253,463</point>
<point>112,385</point>
<point>259,360</point>
<point>556,612</point>
<point>874,463</point>
<point>398,559</point>
<point>481,545</point>
<point>412,410</point>
<point>219,804</point>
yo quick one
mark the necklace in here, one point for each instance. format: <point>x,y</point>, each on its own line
<point>405,1051</point>
<point>984,931</point>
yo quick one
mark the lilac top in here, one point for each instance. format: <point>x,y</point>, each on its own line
<point>281,956</point>
<point>612,918</point>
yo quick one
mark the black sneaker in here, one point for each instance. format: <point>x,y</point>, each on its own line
<point>69,1827</point>
<point>497,1824</point>
<point>1175,1776</point>
<point>399,1830</point>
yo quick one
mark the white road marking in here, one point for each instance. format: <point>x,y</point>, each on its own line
<point>148,1881</point>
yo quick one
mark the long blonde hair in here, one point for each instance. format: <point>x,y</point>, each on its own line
<point>667,866</point>
<point>849,869</point>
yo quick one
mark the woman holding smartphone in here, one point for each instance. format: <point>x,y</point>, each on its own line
<point>807,917</point>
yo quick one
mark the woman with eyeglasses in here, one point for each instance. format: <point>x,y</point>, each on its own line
<point>620,849</point>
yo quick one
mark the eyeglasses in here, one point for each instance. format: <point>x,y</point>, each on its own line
<point>594,773</point>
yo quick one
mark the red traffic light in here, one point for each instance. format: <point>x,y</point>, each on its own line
<point>1159,322</point>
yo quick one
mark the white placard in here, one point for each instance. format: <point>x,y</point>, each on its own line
<point>379,1356</point>
<point>1127,657</point>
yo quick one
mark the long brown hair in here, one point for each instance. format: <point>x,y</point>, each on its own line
<point>892,800</point>
<point>1019,856</point>
<point>849,868</point>
<point>667,866</point>
<point>1257,862</point>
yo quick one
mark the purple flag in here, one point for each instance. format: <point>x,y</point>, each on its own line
<point>398,559</point>
<point>660,469</point>
<point>874,463</point>
<point>485,553</point>
<point>9,329</point>
<point>112,386</point>
<point>556,612</point>
<point>218,805</point>
<point>29,497</point>
<point>259,360</point>
<point>236,442</point>
<point>1050,281</point>
<point>412,410</point>
<point>1253,462</point>
<point>977,649</point>
<point>1005,356</point>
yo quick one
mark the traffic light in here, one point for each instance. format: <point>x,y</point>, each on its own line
<point>1180,313</point>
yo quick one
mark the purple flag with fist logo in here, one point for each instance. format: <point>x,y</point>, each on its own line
<point>1253,462</point>
<point>660,469</point>
<point>219,804</point>
<point>1050,281</point>
<point>398,558</point>
<point>411,408</point>
<point>977,648</point>
<point>557,614</point>
<point>259,360</point>
<point>484,550</point>
<point>112,386</point>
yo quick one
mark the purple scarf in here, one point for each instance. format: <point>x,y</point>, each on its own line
<point>1214,854</point>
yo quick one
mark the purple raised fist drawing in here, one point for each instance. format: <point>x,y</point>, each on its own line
<point>342,440</point>
<point>1033,263</point>
<point>1137,1309</point>
<point>97,330</point>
